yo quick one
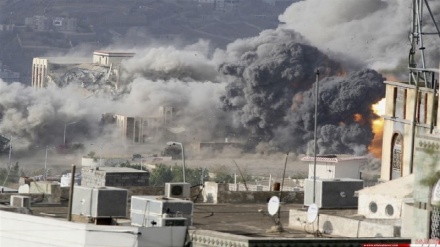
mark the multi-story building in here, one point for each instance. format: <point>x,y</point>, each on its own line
<point>411,136</point>
<point>140,129</point>
<point>45,68</point>
<point>103,65</point>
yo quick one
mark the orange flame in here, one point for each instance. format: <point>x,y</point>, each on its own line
<point>376,145</point>
<point>358,118</point>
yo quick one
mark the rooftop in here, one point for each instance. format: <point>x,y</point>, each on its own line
<point>333,158</point>
<point>118,169</point>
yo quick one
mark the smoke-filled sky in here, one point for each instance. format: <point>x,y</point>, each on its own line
<point>257,90</point>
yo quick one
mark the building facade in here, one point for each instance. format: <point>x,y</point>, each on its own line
<point>139,129</point>
<point>106,58</point>
<point>410,114</point>
<point>43,67</point>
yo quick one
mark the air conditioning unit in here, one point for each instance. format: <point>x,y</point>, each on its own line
<point>147,209</point>
<point>150,220</point>
<point>333,193</point>
<point>177,190</point>
<point>21,201</point>
<point>99,202</point>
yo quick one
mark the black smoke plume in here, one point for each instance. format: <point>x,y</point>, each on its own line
<point>261,90</point>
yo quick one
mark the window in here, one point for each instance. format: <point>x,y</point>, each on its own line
<point>389,210</point>
<point>373,207</point>
<point>396,156</point>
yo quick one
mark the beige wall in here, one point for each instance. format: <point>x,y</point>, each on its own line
<point>39,72</point>
<point>395,125</point>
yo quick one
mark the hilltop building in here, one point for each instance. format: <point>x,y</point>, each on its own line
<point>8,75</point>
<point>103,69</point>
<point>44,23</point>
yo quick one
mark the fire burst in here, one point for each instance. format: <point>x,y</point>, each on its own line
<point>376,145</point>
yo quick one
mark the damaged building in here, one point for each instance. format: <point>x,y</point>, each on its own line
<point>100,72</point>
<point>140,129</point>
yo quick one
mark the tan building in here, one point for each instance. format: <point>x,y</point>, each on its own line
<point>63,70</point>
<point>140,129</point>
<point>404,107</point>
<point>42,67</point>
<point>106,58</point>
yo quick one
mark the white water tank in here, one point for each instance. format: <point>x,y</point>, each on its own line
<point>65,179</point>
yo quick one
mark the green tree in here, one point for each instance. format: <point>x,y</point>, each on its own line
<point>222,175</point>
<point>160,175</point>
<point>9,176</point>
<point>174,151</point>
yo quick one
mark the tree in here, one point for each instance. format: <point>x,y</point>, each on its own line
<point>160,175</point>
<point>222,175</point>
<point>11,175</point>
<point>174,151</point>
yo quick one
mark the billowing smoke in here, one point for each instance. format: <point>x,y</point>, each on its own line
<point>344,115</point>
<point>374,32</point>
<point>266,77</point>
<point>37,117</point>
<point>258,90</point>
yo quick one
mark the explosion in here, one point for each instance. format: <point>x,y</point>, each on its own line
<point>376,145</point>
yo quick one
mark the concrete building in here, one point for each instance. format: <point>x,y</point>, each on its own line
<point>7,27</point>
<point>107,58</point>
<point>102,68</point>
<point>335,166</point>
<point>114,176</point>
<point>226,5</point>
<point>45,23</point>
<point>46,69</point>
<point>386,200</point>
<point>140,129</point>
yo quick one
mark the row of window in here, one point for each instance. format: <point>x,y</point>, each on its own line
<point>400,96</point>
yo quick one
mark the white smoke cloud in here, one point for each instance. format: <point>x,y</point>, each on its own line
<point>373,31</point>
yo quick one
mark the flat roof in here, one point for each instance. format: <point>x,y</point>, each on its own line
<point>333,158</point>
<point>114,53</point>
<point>67,60</point>
<point>399,188</point>
<point>119,170</point>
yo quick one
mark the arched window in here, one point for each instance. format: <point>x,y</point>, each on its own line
<point>396,156</point>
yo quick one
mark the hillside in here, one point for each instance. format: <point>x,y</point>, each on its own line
<point>130,23</point>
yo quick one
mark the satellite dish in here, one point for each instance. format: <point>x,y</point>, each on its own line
<point>273,205</point>
<point>312,213</point>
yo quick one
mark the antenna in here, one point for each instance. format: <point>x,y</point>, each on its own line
<point>420,73</point>
<point>312,216</point>
<point>273,205</point>
<point>420,76</point>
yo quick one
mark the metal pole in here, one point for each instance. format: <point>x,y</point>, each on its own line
<point>45,165</point>
<point>100,156</point>
<point>64,139</point>
<point>10,152</point>
<point>183,159</point>
<point>315,130</point>
<point>413,127</point>
<point>72,184</point>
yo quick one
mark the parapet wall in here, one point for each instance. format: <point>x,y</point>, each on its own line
<point>206,238</point>
<point>220,193</point>
<point>342,226</point>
